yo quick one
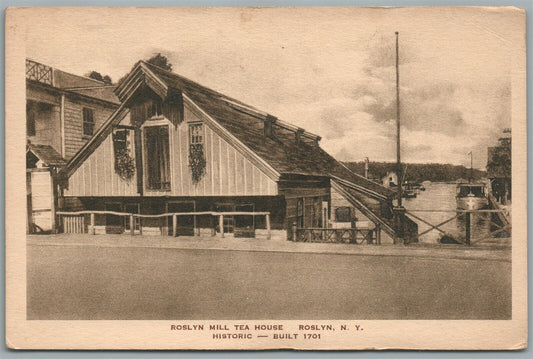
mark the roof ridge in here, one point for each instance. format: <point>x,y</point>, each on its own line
<point>234,102</point>
<point>89,87</point>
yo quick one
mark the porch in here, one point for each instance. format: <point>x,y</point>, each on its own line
<point>222,224</point>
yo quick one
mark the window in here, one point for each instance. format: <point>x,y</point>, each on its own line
<point>155,109</point>
<point>343,214</point>
<point>124,162</point>
<point>197,162</point>
<point>88,122</point>
<point>196,134</point>
<point>121,140</point>
<point>30,118</point>
<point>157,155</point>
<point>300,213</point>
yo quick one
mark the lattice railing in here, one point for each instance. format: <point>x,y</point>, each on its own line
<point>335,235</point>
<point>39,72</point>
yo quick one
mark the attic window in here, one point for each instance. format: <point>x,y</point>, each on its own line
<point>155,109</point>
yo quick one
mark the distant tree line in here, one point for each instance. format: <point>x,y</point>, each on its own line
<point>417,172</point>
<point>157,59</point>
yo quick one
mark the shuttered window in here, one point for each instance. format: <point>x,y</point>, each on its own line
<point>157,155</point>
<point>343,214</point>
<point>88,122</point>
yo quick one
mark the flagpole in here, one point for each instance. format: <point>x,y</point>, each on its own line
<point>398,159</point>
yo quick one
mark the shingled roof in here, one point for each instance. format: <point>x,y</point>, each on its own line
<point>281,151</point>
<point>47,154</point>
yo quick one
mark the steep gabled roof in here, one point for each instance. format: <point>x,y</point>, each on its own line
<point>281,151</point>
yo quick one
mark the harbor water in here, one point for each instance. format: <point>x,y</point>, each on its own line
<point>441,196</point>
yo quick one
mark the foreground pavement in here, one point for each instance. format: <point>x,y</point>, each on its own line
<point>90,282</point>
<point>490,252</point>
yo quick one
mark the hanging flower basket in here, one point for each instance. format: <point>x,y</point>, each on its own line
<point>124,164</point>
<point>197,162</point>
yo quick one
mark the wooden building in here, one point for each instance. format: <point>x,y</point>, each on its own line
<point>186,148</point>
<point>499,169</point>
<point>63,112</point>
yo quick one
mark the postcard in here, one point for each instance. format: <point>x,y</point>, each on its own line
<point>266,178</point>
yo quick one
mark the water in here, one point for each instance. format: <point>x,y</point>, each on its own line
<point>441,196</point>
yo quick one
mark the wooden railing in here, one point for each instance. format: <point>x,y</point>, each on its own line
<point>39,72</point>
<point>467,214</point>
<point>174,216</point>
<point>336,235</point>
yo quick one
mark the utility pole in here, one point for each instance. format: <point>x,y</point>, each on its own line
<point>399,210</point>
<point>398,158</point>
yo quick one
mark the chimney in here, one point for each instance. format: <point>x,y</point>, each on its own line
<point>299,133</point>
<point>269,121</point>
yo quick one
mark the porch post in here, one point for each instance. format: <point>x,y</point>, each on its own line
<point>378,233</point>
<point>132,225</point>
<point>221,225</point>
<point>267,217</point>
<point>175,225</point>
<point>467,225</point>
<point>93,231</point>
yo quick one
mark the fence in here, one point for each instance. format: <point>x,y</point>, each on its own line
<point>336,235</point>
<point>74,222</point>
<point>467,214</point>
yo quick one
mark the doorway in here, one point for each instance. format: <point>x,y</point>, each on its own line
<point>238,226</point>
<point>186,224</point>
<point>114,224</point>
<point>135,209</point>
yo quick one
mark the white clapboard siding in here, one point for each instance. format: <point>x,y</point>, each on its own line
<point>228,171</point>
<point>41,199</point>
<point>97,176</point>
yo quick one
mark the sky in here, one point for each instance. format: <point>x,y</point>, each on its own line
<point>328,70</point>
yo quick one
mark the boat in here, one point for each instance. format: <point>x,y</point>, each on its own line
<point>471,196</point>
<point>409,190</point>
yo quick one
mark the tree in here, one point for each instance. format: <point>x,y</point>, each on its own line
<point>98,76</point>
<point>161,61</point>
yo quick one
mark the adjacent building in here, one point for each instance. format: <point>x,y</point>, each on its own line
<point>63,111</point>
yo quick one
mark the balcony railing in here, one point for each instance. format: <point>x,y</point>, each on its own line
<point>39,72</point>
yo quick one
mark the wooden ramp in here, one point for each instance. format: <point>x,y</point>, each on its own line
<point>348,192</point>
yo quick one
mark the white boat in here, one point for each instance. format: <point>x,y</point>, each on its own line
<point>471,196</point>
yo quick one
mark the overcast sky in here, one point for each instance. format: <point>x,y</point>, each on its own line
<point>330,71</point>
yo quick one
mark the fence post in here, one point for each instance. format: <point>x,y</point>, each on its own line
<point>268,225</point>
<point>93,230</point>
<point>132,225</point>
<point>294,232</point>
<point>467,225</point>
<point>221,225</point>
<point>175,225</point>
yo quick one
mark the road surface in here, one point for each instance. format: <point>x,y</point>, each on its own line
<point>89,282</point>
